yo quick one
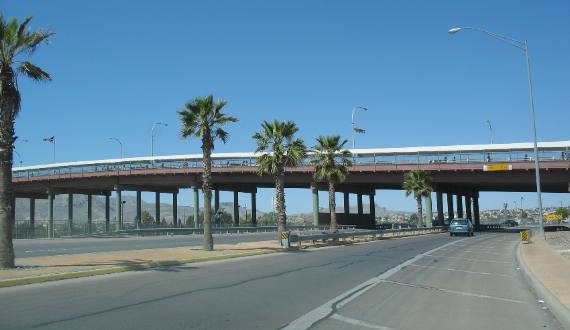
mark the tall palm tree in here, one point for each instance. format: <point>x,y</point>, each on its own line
<point>17,43</point>
<point>331,165</point>
<point>418,183</point>
<point>203,118</point>
<point>280,149</point>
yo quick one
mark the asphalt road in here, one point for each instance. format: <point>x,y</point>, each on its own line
<point>26,248</point>
<point>484,291</point>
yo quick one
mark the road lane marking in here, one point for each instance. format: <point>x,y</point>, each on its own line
<point>481,260</point>
<point>359,323</point>
<point>330,307</point>
<point>460,270</point>
<point>461,293</point>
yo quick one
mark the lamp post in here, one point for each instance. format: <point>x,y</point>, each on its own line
<point>122,212</point>
<point>51,140</point>
<point>356,130</point>
<point>152,136</point>
<point>120,144</point>
<point>522,45</point>
<point>490,130</point>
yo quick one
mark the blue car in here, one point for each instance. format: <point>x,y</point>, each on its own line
<point>461,226</point>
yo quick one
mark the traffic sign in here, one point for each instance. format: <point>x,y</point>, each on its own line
<point>497,167</point>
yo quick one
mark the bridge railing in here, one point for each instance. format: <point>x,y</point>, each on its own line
<point>556,154</point>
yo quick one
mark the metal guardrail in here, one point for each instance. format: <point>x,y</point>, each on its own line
<point>299,238</point>
<point>221,230</point>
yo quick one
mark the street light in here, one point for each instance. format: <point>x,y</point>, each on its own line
<point>152,136</point>
<point>120,143</point>
<point>522,45</point>
<point>356,130</point>
<point>490,129</point>
<point>16,152</point>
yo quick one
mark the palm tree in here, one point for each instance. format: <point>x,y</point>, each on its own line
<point>280,149</point>
<point>418,183</point>
<point>203,118</point>
<point>331,165</point>
<point>17,43</point>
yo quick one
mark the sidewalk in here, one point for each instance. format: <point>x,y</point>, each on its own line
<point>43,269</point>
<point>549,273</point>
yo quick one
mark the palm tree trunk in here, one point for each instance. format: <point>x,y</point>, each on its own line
<point>332,206</point>
<point>280,205</point>
<point>207,189</point>
<point>420,212</point>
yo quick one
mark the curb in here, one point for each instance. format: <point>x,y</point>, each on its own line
<point>121,269</point>
<point>554,305</point>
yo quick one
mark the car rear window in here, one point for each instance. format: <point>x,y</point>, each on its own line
<point>459,222</point>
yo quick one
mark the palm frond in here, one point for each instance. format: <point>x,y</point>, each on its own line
<point>33,72</point>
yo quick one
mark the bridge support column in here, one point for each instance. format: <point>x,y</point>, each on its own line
<point>346,204</point>
<point>89,213</point>
<point>157,208</point>
<point>476,210</point>
<point>70,214</point>
<point>468,213</point>
<point>450,212</point>
<point>253,209</point>
<point>359,204</point>
<point>372,209</point>
<point>439,202</point>
<point>32,217</point>
<point>175,209</point>
<point>51,196</point>
<point>315,193</point>
<point>118,203</point>
<point>459,199</point>
<point>196,207</point>
<point>216,201</point>
<point>429,213</point>
<point>107,213</point>
<point>236,209</point>
<point>139,208</point>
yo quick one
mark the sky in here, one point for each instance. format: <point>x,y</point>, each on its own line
<point>120,66</point>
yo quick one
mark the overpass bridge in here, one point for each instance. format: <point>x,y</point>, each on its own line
<point>459,171</point>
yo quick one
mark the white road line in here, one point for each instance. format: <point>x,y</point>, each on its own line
<point>326,309</point>
<point>462,293</point>
<point>460,270</point>
<point>358,322</point>
<point>481,260</point>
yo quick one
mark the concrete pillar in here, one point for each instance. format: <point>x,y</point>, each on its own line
<point>253,208</point>
<point>157,208</point>
<point>450,212</point>
<point>139,208</point>
<point>476,210</point>
<point>70,214</point>
<point>32,217</point>
<point>118,203</point>
<point>315,193</point>
<point>439,202</point>
<point>372,209</point>
<point>107,213</point>
<point>216,200</point>
<point>175,208</point>
<point>359,204</point>
<point>459,200</point>
<point>468,213</point>
<point>89,214</point>
<point>196,207</point>
<point>346,204</point>
<point>429,213</point>
<point>51,196</point>
<point>236,209</point>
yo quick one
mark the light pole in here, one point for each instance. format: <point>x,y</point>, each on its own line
<point>120,144</point>
<point>356,130</point>
<point>122,212</point>
<point>16,152</point>
<point>51,140</point>
<point>152,136</point>
<point>245,208</point>
<point>491,130</point>
<point>522,45</point>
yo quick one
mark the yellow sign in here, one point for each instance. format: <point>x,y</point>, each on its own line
<point>553,217</point>
<point>525,233</point>
<point>285,235</point>
<point>497,167</point>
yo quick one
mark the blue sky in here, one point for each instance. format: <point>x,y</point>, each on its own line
<point>118,67</point>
